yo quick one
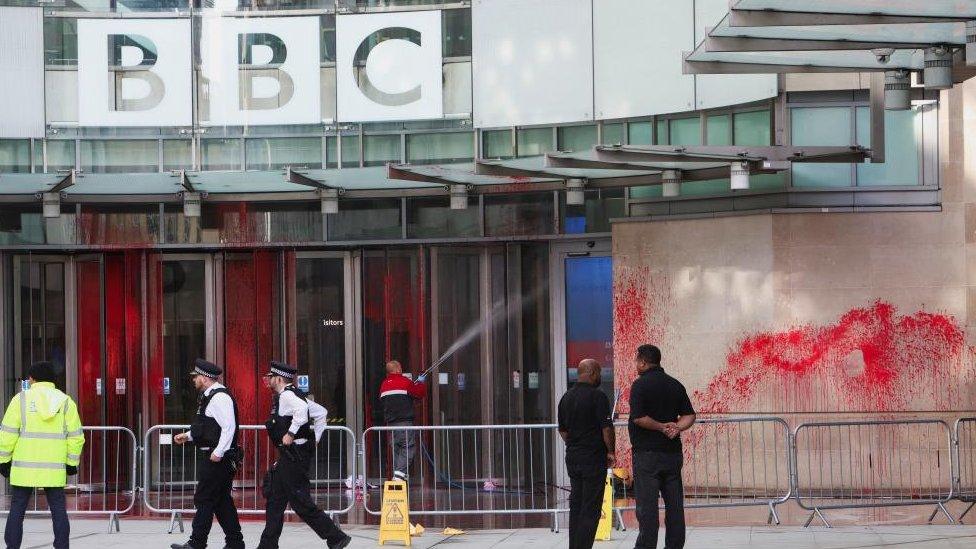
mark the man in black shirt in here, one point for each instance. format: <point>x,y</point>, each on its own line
<point>587,428</point>
<point>659,411</point>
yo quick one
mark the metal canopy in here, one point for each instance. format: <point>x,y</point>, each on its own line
<point>787,36</point>
<point>772,158</point>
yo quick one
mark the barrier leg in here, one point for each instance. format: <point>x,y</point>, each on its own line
<point>176,519</point>
<point>555,523</point>
<point>966,512</point>
<point>113,523</point>
<point>621,527</point>
<point>816,513</point>
<point>773,516</point>
<point>941,507</point>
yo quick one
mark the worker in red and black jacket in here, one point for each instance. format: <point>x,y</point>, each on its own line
<point>397,394</point>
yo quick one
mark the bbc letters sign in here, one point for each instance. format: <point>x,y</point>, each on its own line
<point>399,78</point>
<point>134,72</point>
<point>261,71</point>
<point>258,70</point>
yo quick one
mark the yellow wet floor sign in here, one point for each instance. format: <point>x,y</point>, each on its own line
<point>605,525</point>
<point>395,514</point>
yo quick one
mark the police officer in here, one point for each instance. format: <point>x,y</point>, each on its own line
<point>291,429</point>
<point>587,428</point>
<point>214,433</point>
<point>40,445</point>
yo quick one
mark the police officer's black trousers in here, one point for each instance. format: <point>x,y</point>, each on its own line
<point>585,501</point>
<point>213,498</point>
<point>287,483</point>
<point>659,473</point>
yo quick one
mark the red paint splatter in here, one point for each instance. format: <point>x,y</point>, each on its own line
<point>870,359</point>
<point>641,300</point>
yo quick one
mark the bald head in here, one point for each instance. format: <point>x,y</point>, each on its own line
<point>394,367</point>
<point>588,371</point>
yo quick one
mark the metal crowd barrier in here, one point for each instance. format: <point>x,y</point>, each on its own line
<point>170,472</point>
<point>106,479</point>
<point>864,464</point>
<point>728,462</point>
<point>964,433</point>
<point>468,469</point>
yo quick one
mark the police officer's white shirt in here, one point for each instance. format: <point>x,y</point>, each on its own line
<point>290,404</point>
<point>221,408</point>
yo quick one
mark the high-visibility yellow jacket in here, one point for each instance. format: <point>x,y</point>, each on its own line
<point>41,432</point>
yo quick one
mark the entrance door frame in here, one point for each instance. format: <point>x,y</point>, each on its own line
<point>558,254</point>
<point>70,316</point>
<point>351,317</point>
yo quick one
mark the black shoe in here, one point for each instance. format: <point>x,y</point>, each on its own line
<point>186,545</point>
<point>346,540</point>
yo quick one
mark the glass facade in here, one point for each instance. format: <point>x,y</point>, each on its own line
<point>576,138</point>
<point>435,148</point>
<point>534,141</point>
<point>15,156</point>
<point>119,156</point>
<point>276,153</point>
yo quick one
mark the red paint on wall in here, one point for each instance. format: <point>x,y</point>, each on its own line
<point>871,359</point>
<point>642,299</point>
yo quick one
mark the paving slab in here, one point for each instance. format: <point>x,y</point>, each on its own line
<point>150,534</point>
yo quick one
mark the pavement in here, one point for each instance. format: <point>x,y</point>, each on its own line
<point>146,534</point>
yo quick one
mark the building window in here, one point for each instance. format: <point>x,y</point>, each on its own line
<point>432,217</point>
<point>685,131</point>
<point>663,136</point>
<point>221,154</point>
<point>177,154</point>
<point>60,155</point>
<point>272,154</point>
<point>15,156</point>
<point>601,205</point>
<point>901,165</point>
<point>534,141</point>
<point>497,144</point>
<point>718,130</point>
<point>576,138</point>
<point>613,134</point>
<point>120,156</point>
<point>821,126</point>
<point>60,41</point>
<point>752,129</point>
<point>457,32</point>
<point>369,219</point>
<point>432,148</point>
<point>380,149</point>
<point>350,151</point>
<point>519,214</point>
<point>640,133</point>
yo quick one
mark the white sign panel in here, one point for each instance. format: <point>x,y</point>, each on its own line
<point>389,66</point>
<point>532,61</point>
<point>134,72</point>
<point>628,81</point>
<point>261,71</point>
<point>22,72</point>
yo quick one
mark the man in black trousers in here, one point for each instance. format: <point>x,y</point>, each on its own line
<point>292,431</point>
<point>214,433</point>
<point>585,424</point>
<point>659,411</point>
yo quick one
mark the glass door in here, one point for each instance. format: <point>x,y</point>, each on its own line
<point>181,302</point>
<point>40,317</point>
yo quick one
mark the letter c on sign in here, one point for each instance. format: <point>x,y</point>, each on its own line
<point>362,55</point>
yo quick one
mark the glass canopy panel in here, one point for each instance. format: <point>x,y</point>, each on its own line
<point>921,33</point>
<point>23,183</point>
<point>116,184</point>
<point>847,59</point>
<point>928,8</point>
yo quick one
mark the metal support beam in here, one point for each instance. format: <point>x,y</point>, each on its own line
<point>299,178</point>
<point>748,43</point>
<point>764,18</point>
<point>763,158</point>
<point>877,99</point>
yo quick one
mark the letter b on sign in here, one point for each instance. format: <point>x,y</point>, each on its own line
<point>134,72</point>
